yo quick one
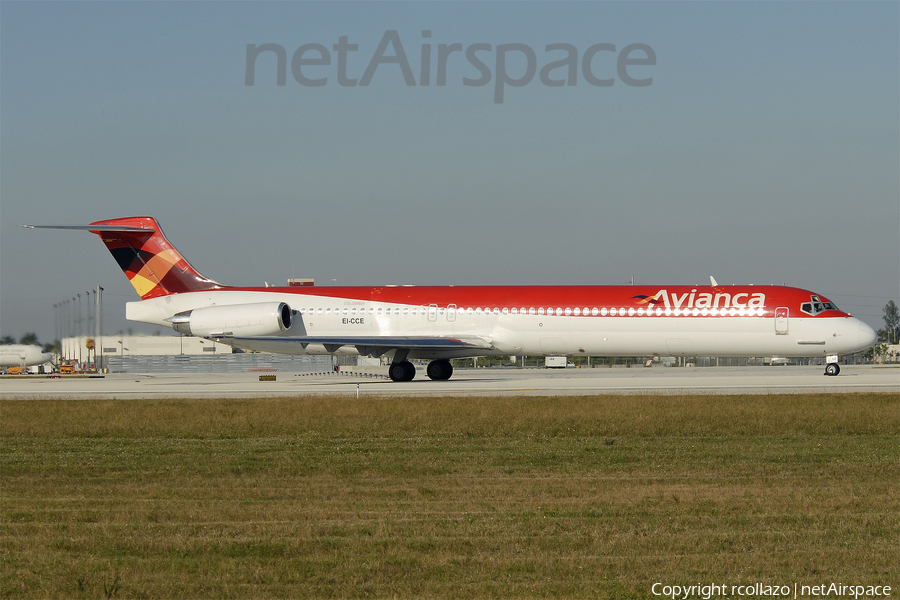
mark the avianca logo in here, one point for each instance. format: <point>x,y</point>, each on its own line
<point>692,299</point>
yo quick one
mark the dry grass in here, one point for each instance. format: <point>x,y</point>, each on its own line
<point>448,497</point>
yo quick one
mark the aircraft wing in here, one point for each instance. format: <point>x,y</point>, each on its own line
<point>365,345</point>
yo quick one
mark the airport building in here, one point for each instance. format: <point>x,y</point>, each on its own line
<point>84,348</point>
<point>178,354</point>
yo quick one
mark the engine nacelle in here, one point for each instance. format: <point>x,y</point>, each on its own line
<point>244,320</point>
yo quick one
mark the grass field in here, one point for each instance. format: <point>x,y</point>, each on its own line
<point>478,497</point>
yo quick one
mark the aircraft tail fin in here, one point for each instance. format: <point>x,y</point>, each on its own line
<point>152,264</point>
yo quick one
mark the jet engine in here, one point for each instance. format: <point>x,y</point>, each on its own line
<point>245,320</point>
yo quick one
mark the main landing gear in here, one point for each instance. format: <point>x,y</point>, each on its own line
<point>404,370</point>
<point>439,370</point>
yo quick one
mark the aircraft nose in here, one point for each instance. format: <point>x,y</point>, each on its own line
<point>867,336</point>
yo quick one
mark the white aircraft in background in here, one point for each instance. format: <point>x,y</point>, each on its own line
<point>22,355</point>
<point>441,323</point>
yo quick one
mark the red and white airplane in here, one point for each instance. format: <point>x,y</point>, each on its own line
<point>440,323</point>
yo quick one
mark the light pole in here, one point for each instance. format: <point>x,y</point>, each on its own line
<point>98,343</point>
<point>62,326</point>
<point>90,318</point>
<point>78,323</point>
<point>68,315</point>
<point>55,322</point>
<point>88,315</point>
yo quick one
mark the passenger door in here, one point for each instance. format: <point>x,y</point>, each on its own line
<point>781,320</point>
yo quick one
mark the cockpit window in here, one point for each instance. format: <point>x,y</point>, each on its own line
<point>816,306</point>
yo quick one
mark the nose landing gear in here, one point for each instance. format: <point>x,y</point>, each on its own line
<point>832,368</point>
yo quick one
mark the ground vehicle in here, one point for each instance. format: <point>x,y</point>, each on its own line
<point>557,362</point>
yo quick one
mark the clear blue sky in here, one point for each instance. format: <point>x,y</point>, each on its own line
<point>766,149</point>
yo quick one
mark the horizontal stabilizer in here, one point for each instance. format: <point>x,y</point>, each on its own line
<point>91,228</point>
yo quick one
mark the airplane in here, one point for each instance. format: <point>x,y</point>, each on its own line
<point>23,355</point>
<point>439,323</point>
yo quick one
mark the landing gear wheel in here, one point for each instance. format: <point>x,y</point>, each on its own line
<point>402,371</point>
<point>832,369</point>
<point>439,369</point>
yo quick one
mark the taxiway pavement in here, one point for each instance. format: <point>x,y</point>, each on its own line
<point>496,381</point>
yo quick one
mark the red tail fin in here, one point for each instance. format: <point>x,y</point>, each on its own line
<point>154,267</point>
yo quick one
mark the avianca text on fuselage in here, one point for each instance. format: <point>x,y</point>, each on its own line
<point>708,300</point>
<point>439,323</point>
